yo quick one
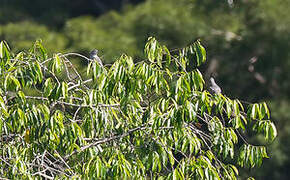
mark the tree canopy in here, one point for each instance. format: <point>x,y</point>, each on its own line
<point>130,119</point>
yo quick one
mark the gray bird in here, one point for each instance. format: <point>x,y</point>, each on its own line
<point>94,56</point>
<point>214,88</point>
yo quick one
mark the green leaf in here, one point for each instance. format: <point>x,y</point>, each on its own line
<point>89,68</point>
<point>273,131</point>
<point>235,169</point>
<point>21,95</point>
<point>7,82</point>
<point>200,53</point>
<point>265,107</point>
<point>64,88</point>
<point>250,178</point>
<point>4,51</point>
<point>150,48</point>
<point>57,64</point>
<point>176,174</point>
<point>130,63</point>
<point>155,161</point>
<point>21,115</point>
<point>171,158</point>
<point>236,107</point>
<point>199,79</point>
<point>42,50</point>
<point>254,112</point>
<point>48,87</point>
<point>210,155</point>
<point>229,109</point>
<point>15,82</point>
<point>3,107</point>
<point>168,55</point>
<point>38,71</point>
<point>200,172</point>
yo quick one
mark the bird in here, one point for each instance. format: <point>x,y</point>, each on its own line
<point>94,56</point>
<point>213,87</point>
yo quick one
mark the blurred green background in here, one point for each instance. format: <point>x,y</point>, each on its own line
<point>247,42</point>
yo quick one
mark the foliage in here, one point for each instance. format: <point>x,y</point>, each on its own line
<point>152,118</point>
<point>56,12</point>
<point>279,149</point>
<point>87,32</point>
<point>22,34</point>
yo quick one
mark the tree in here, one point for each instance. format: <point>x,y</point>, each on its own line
<point>23,33</point>
<point>147,119</point>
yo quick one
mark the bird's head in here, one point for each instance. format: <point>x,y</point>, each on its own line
<point>94,52</point>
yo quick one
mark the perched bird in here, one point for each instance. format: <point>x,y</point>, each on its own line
<point>214,88</point>
<point>94,56</point>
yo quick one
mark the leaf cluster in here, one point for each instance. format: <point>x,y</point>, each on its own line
<point>147,119</point>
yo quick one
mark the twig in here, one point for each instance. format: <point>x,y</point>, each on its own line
<point>43,175</point>
<point>104,140</point>
<point>76,85</point>
<point>242,137</point>
<point>68,54</point>
<point>72,104</point>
